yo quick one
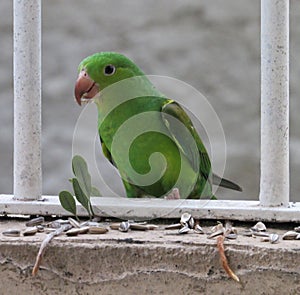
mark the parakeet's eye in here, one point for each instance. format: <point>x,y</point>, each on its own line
<point>109,70</point>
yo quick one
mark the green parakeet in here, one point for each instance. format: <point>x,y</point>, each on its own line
<point>147,136</point>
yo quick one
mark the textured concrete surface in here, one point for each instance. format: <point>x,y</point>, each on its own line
<point>213,45</point>
<point>152,262</point>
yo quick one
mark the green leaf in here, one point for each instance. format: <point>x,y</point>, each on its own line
<point>95,192</point>
<point>80,195</point>
<point>80,170</point>
<point>67,201</point>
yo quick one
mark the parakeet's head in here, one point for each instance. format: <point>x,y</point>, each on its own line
<point>101,70</point>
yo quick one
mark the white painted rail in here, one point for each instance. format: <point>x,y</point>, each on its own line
<point>27,100</point>
<point>274,179</point>
<point>144,209</point>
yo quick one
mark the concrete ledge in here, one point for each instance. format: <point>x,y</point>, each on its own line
<point>149,262</point>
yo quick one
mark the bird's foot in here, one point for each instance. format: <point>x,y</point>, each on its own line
<point>173,195</point>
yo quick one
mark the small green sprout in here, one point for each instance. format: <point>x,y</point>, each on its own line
<point>82,187</point>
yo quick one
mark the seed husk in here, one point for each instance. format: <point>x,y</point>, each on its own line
<point>297,229</point>
<point>35,221</point>
<point>40,228</point>
<point>74,222</point>
<point>30,231</point>
<point>90,223</point>
<point>115,225</point>
<point>290,235</point>
<point>231,236</point>
<point>173,226</point>
<point>259,226</point>
<point>98,230</point>
<point>137,226</point>
<point>198,229</point>
<point>124,226</point>
<point>274,238</point>
<point>216,231</point>
<point>184,230</point>
<point>77,231</point>
<point>191,222</point>
<point>11,232</point>
<point>185,218</point>
<point>260,234</point>
<point>54,224</point>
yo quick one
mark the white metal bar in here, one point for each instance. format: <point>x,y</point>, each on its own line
<point>274,179</point>
<point>27,99</point>
<point>157,208</point>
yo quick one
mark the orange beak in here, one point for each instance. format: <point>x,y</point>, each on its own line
<point>85,87</point>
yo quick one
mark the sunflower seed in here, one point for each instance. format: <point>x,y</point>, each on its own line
<point>231,236</point>
<point>62,221</point>
<point>191,222</point>
<point>297,229</point>
<point>74,222</point>
<point>137,226</point>
<point>216,231</point>
<point>260,234</point>
<point>35,221</point>
<point>115,225</point>
<point>124,226</point>
<point>173,226</point>
<point>290,235</point>
<point>97,230</point>
<point>11,233</point>
<point>184,230</point>
<point>30,231</point>
<point>40,228</point>
<point>198,229</point>
<point>77,231</point>
<point>259,226</point>
<point>89,223</point>
<point>54,224</point>
<point>185,218</point>
<point>274,238</point>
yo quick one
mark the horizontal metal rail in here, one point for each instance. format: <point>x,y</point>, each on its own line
<point>144,209</point>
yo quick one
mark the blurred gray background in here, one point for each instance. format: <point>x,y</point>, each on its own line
<point>213,45</point>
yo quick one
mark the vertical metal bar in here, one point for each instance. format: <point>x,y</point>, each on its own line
<point>27,99</point>
<point>274,180</point>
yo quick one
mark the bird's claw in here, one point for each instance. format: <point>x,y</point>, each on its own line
<point>173,194</point>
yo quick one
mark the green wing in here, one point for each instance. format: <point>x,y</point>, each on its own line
<point>175,110</point>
